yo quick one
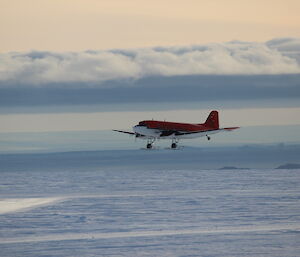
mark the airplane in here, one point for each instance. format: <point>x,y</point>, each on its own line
<point>152,130</point>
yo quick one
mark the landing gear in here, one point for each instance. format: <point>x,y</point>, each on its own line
<point>208,137</point>
<point>149,146</point>
<point>150,142</point>
<point>174,143</point>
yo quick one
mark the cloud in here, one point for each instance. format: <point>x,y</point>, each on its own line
<point>39,68</point>
<point>285,45</point>
<point>94,68</point>
<point>230,72</point>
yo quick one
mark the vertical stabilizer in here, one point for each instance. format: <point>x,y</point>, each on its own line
<point>212,120</point>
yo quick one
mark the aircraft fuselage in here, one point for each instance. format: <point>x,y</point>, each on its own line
<point>169,130</point>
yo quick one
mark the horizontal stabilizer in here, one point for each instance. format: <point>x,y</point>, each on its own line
<point>231,128</point>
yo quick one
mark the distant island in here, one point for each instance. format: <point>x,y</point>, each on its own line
<point>232,168</point>
<point>289,166</point>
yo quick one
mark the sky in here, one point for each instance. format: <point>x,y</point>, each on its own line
<point>100,65</point>
<point>79,25</point>
<point>107,120</point>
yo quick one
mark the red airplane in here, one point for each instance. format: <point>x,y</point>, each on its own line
<point>152,130</point>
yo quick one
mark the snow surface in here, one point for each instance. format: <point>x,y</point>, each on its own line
<point>11,205</point>
<point>56,206</point>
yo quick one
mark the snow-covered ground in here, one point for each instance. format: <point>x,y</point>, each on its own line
<point>17,204</point>
<point>63,205</point>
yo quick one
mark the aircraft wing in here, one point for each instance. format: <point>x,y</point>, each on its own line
<point>126,132</point>
<point>129,133</point>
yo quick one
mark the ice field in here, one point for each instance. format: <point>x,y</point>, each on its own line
<point>132,203</point>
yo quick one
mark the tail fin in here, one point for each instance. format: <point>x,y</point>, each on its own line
<point>212,120</point>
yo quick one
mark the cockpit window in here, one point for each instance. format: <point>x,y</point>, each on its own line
<point>142,123</point>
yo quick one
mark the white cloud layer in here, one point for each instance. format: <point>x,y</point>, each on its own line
<point>278,56</point>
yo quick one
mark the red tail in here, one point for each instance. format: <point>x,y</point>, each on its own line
<point>213,120</point>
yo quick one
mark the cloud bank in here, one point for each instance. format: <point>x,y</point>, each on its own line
<point>230,72</point>
<point>94,68</point>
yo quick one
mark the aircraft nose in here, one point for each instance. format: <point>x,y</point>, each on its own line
<point>138,128</point>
